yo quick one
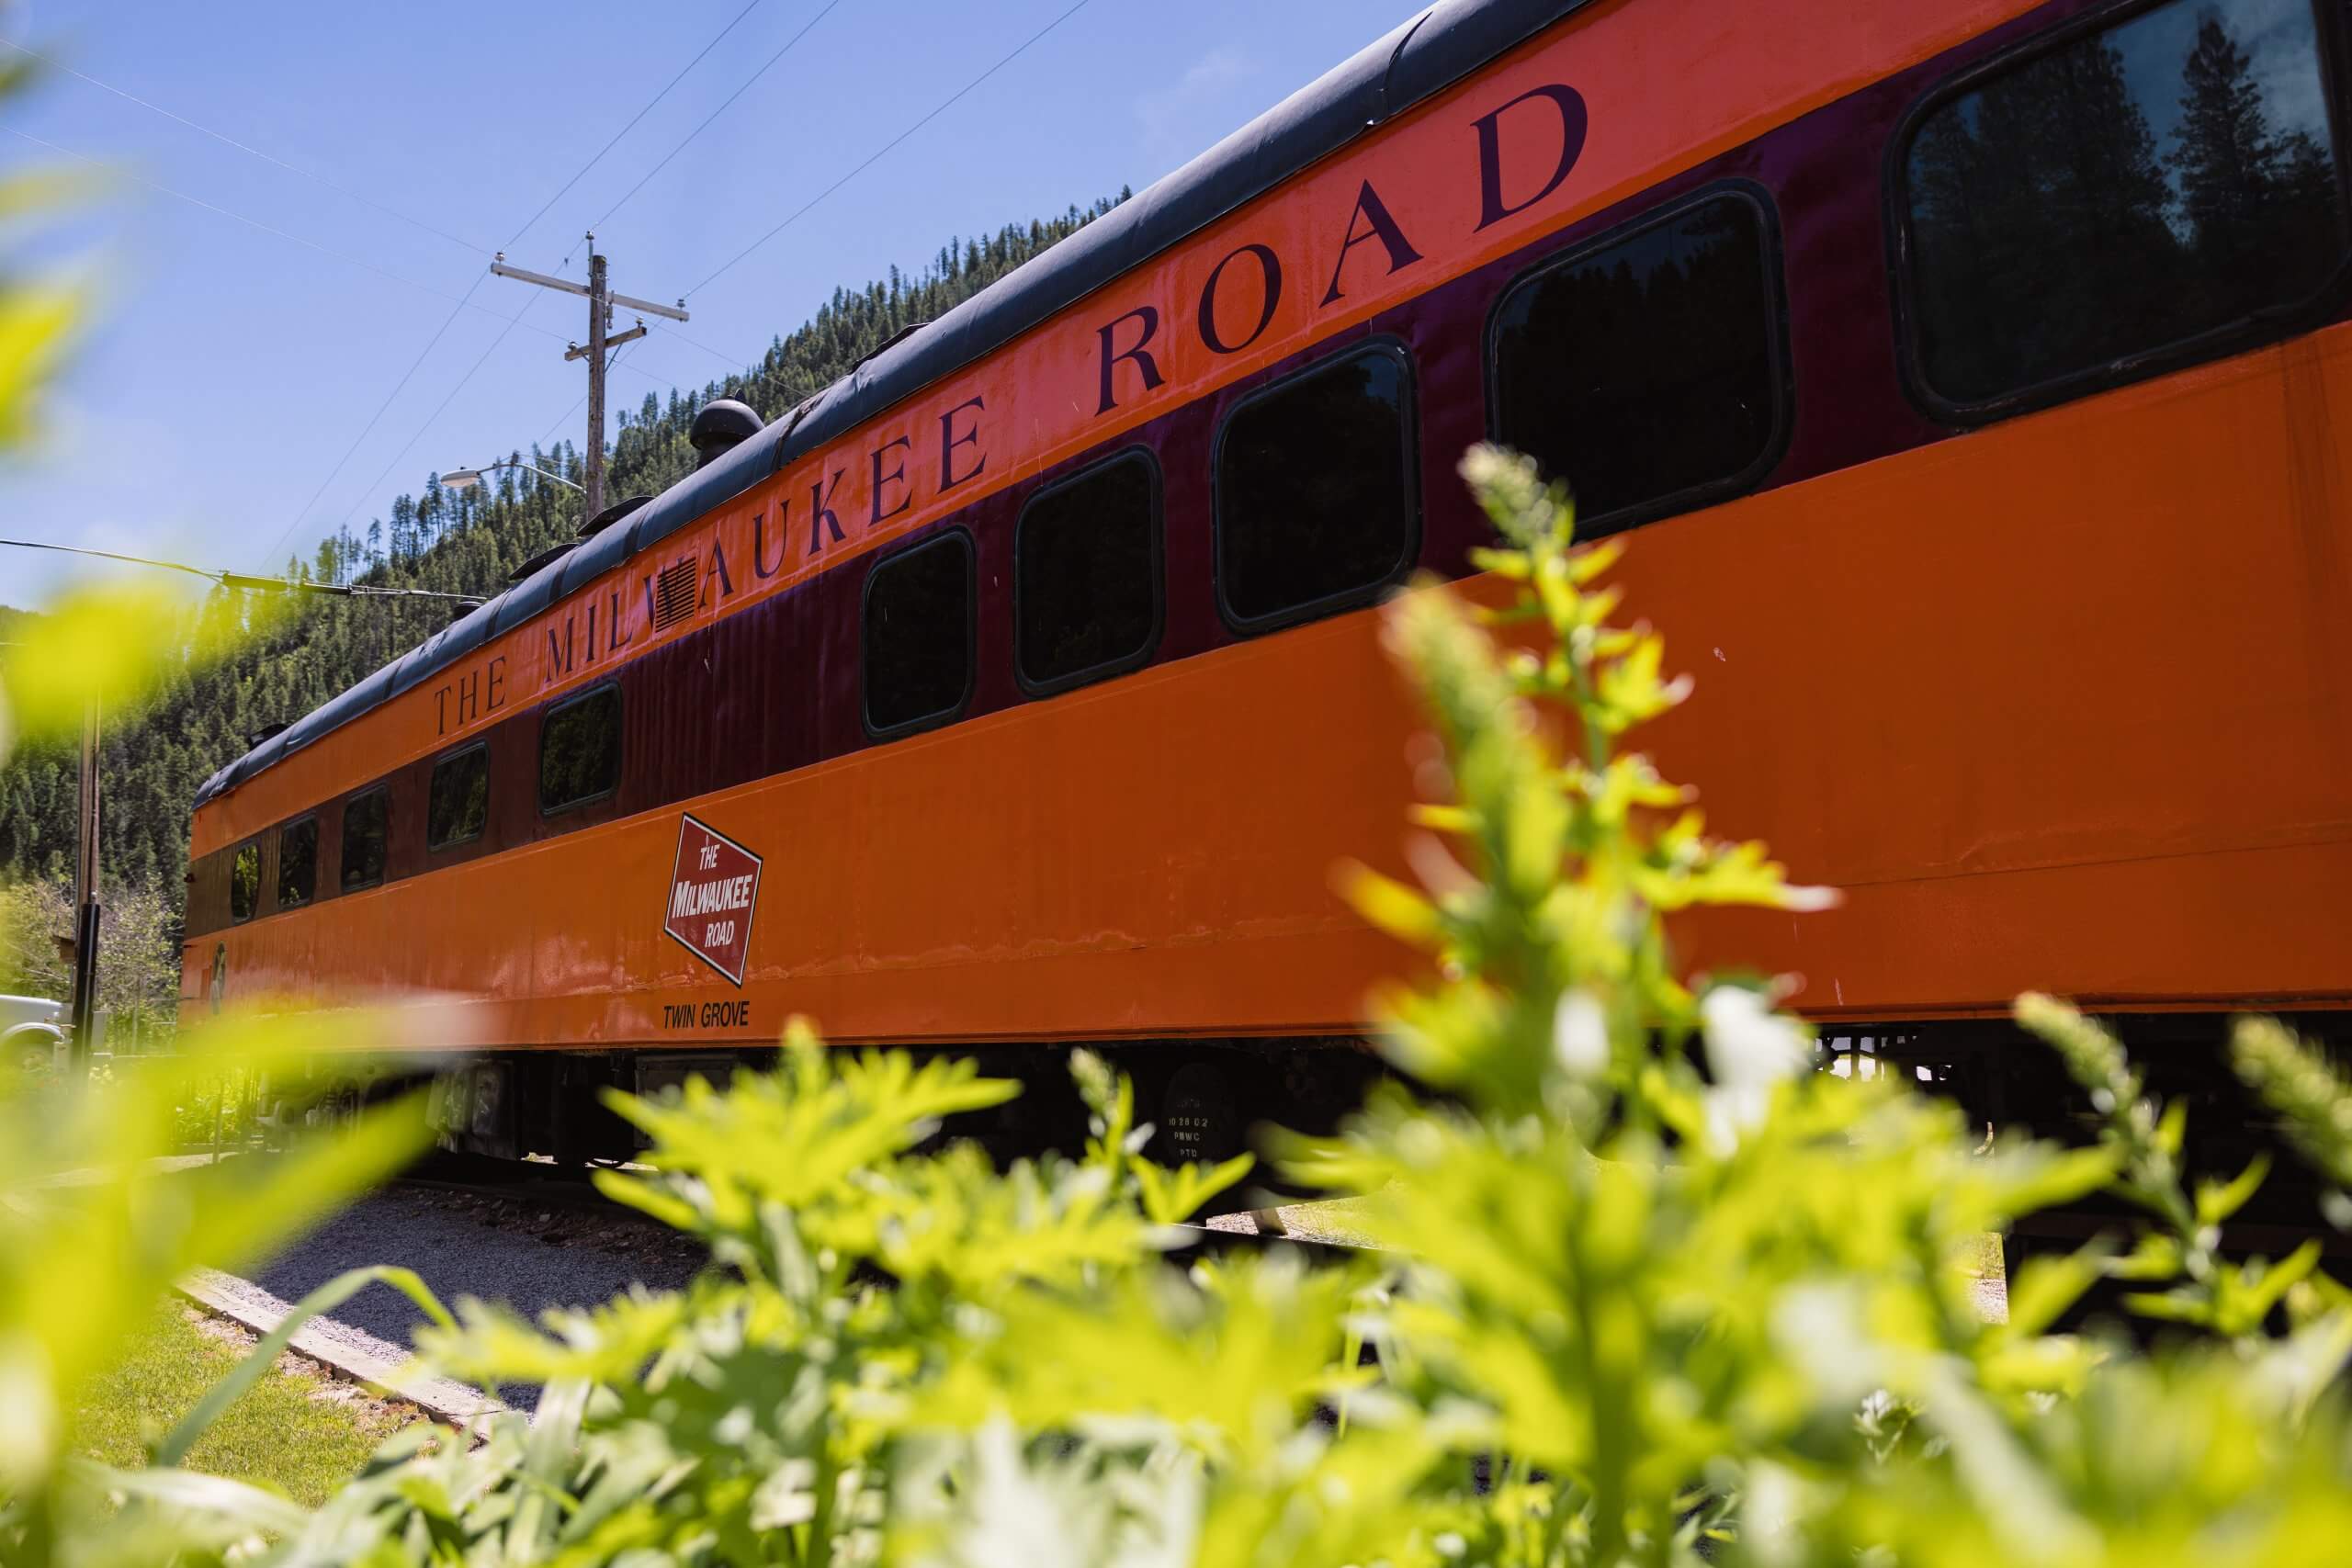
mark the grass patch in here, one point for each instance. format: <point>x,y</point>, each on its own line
<point>294,1432</point>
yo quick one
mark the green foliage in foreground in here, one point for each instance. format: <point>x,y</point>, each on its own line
<point>92,1233</point>
<point>1656,1294</point>
<point>282,1435</point>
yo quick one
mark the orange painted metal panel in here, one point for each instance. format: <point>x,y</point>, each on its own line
<point>2062,702</point>
<point>1664,84</point>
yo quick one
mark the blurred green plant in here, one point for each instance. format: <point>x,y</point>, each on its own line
<point>39,312</point>
<point>93,1230</point>
<point>1653,1291</point>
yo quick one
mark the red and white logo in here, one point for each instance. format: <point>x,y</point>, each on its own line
<point>713,891</point>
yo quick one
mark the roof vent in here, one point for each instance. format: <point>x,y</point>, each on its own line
<point>718,427</point>
<point>887,343</point>
<point>612,514</point>
<point>552,552</point>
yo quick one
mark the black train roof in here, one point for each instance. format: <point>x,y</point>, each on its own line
<point>1389,76</point>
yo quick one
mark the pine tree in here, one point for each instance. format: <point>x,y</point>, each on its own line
<point>2226,158</point>
<point>2261,205</point>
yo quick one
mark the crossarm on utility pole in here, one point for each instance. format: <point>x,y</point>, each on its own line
<point>613,341</point>
<point>669,312</point>
<point>601,300</point>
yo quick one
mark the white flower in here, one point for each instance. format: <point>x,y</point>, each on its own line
<point>1579,1035</point>
<point>1749,1049</point>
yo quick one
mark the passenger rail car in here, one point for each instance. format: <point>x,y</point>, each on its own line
<point>1976,373</point>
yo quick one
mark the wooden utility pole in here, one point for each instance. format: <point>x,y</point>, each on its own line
<point>601,300</point>
<point>85,897</point>
<point>599,313</point>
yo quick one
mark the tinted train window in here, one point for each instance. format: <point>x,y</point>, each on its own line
<point>1315,503</point>
<point>366,824</point>
<point>1645,371</point>
<point>298,863</point>
<point>579,749</point>
<point>1086,575</point>
<point>918,634</point>
<point>2126,190</point>
<point>458,806</point>
<point>245,882</point>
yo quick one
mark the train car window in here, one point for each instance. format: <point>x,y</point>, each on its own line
<point>1317,502</point>
<point>2118,197</point>
<point>457,807</point>
<point>367,835</point>
<point>1086,575</point>
<point>579,749</point>
<point>245,882</point>
<point>919,635</point>
<point>298,863</point>
<point>1646,369</point>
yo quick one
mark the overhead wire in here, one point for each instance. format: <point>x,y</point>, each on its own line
<point>751,369</point>
<point>877,156</point>
<point>240,579</point>
<point>111,555</point>
<point>457,301</point>
<point>563,419</point>
<point>437,411</point>
<point>332,185</point>
<point>742,368</point>
<point>624,129</point>
<point>373,419</point>
<point>256,223</point>
<point>713,114</point>
<point>511,323</point>
<point>888,147</point>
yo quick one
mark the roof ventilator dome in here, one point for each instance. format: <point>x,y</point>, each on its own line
<point>720,426</point>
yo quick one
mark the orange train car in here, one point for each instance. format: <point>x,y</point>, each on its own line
<point>1981,414</point>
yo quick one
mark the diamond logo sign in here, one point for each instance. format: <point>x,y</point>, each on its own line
<point>714,890</point>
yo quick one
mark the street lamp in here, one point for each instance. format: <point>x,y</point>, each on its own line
<point>466,478</point>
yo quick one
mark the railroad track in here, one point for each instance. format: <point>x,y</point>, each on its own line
<point>528,1183</point>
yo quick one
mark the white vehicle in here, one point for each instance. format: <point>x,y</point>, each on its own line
<point>29,1024</point>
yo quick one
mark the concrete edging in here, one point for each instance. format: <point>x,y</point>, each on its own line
<point>456,1403</point>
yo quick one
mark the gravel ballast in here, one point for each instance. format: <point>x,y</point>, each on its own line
<point>501,1249</point>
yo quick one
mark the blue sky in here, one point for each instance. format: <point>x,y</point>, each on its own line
<point>230,369</point>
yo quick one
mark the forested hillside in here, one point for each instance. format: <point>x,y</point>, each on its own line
<point>465,542</point>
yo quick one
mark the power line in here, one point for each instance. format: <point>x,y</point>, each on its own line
<point>624,129</point>
<point>420,429</point>
<point>460,301</point>
<point>257,223</point>
<point>875,157</point>
<point>742,368</point>
<point>376,418</point>
<point>563,419</point>
<point>517,318</point>
<point>888,147</point>
<point>713,114</point>
<point>336,186</point>
<point>241,580</point>
<point>111,555</point>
